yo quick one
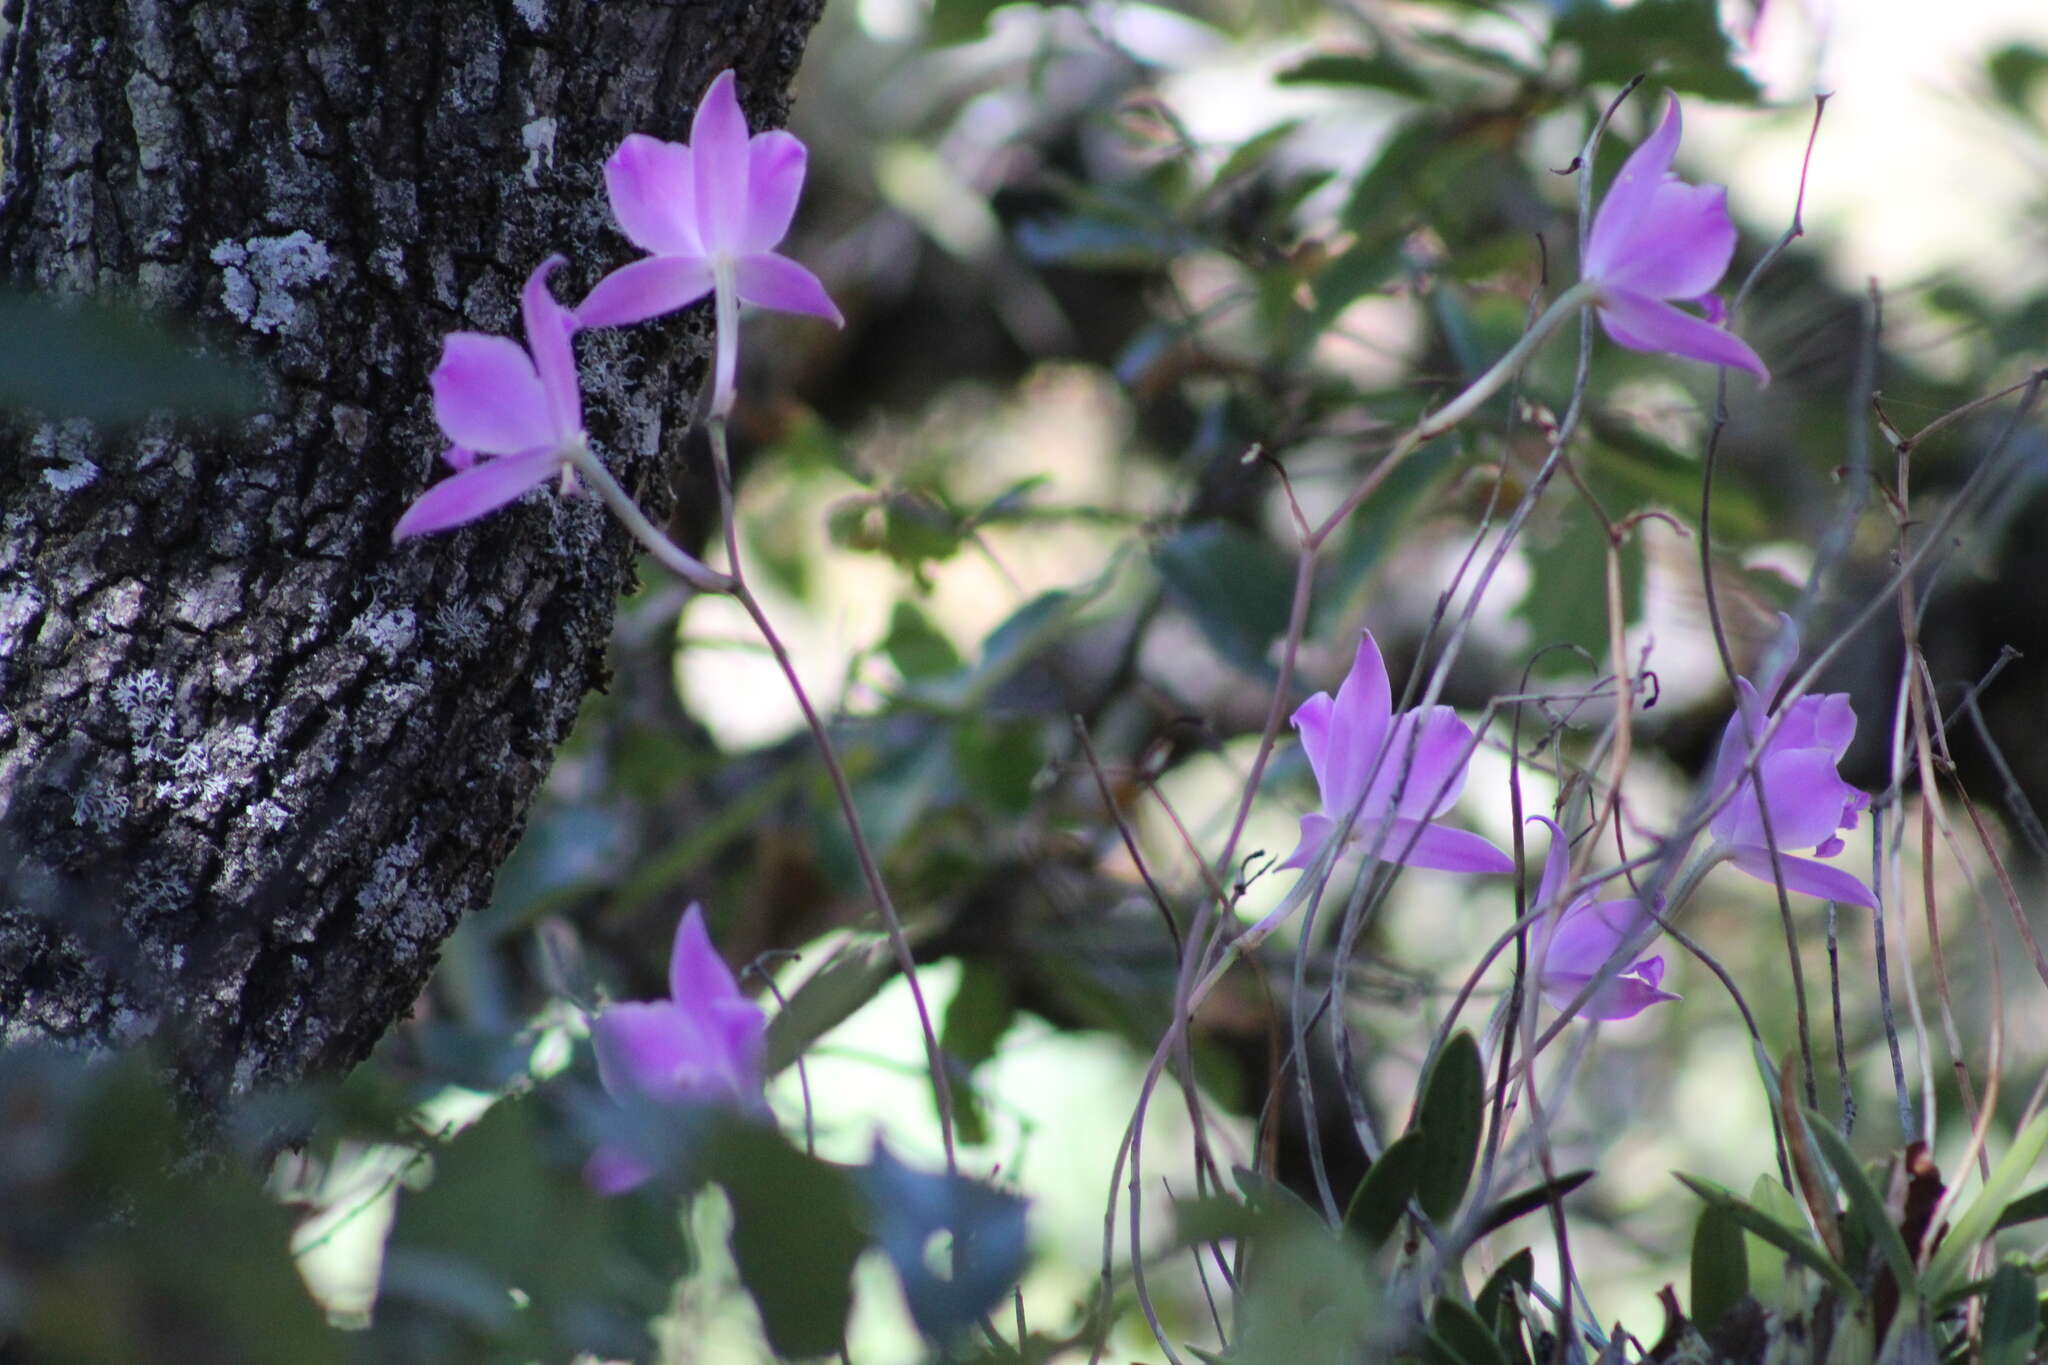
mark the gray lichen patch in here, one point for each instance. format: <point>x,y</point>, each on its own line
<point>261,278</point>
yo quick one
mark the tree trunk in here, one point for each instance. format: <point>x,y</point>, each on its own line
<point>256,762</point>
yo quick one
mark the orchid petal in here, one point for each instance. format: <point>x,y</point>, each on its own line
<point>487,396</point>
<point>644,289</point>
<point>718,149</point>
<point>548,327</point>
<point>1357,730</point>
<point>696,973</point>
<point>653,189</point>
<point>1588,934</point>
<point>1645,324</point>
<point>1443,848</point>
<point>613,1170</point>
<point>775,177</point>
<point>482,488</point>
<point>1628,199</point>
<point>1555,863</point>
<point>1686,255</point>
<point>652,1049</point>
<point>1316,829</point>
<point>771,281</point>
<point>1431,776</point>
<point>1623,997</point>
<point>1805,796</point>
<point>1806,876</point>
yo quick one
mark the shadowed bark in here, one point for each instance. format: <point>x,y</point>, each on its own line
<point>255,762</point>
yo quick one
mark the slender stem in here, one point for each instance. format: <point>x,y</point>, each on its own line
<point>871,872</point>
<point>670,555</point>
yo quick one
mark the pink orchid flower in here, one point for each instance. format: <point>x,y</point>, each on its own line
<point>515,416</point>
<point>1657,238</point>
<point>1571,948</point>
<point>1361,755</point>
<point>702,1045</point>
<point>709,215</point>
<point>1808,802</point>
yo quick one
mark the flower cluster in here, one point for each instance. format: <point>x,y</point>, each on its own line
<point>709,214</point>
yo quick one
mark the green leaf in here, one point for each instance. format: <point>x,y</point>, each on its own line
<point>1720,1266</point>
<point>1351,68</point>
<point>1465,1333</point>
<point>978,1015</point>
<point>1795,1244</point>
<point>2015,70</point>
<point>1453,1112</point>
<point>998,761</point>
<point>1505,1211</point>
<point>2012,1316</point>
<point>849,979</point>
<point>959,21</point>
<point>918,648</point>
<point>1981,1218</point>
<point>2025,1209</point>
<point>1866,1205</point>
<point>1567,598</point>
<point>1681,42</point>
<point>1496,1304</point>
<point>109,364</point>
<point>1382,1197</point>
<point>797,1230</point>
<point>1236,586</point>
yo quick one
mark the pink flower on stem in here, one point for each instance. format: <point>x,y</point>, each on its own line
<point>1571,949</point>
<point>702,1045</point>
<point>1808,802</point>
<point>1655,239</point>
<point>515,416</point>
<point>709,215</point>
<point>1362,754</point>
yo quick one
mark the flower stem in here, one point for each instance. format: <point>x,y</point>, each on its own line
<point>673,557</point>
<point>871,872</point>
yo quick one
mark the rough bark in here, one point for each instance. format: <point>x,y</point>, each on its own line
<point>255,762</point>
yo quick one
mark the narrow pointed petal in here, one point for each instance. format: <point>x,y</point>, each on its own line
<point>1806,877</point>
<point>775,177</point>
<point>1555,863</point>
<point>1428,771</point>
<point>548,328</point>
<point>771,281</point>
<point>645,289</point>
<point>652,1050</point>
<point>1624,209</point>
<point>1442,848</point>
<point>696,973</point>
<point>1644,324</point>
<point>1312,721</point>
<point>653,188</point>
<point>1315,832</point>
<point>1358,724</point>
<point>718,149</point>
<point>1684,242</point>
<point>487,396</point>
<point>482,488</point>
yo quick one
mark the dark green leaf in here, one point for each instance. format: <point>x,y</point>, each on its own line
<point>1794,1243</point>
<point>1866,1205</point>
<point>1348,68</point>
<point>86,359</point>
<point>1566,602</point>
<point>987,1250</point>
<point>916,646</point>
<point>2012,1316</point>
<point>1496,1304</point>
<point>1467,1336</point>
<point>1453,1113</point>
<point>1236,586</point>
<point>1507,1210</point>
<point>797,1230</point>
<point>978,1015</point>
<point>959,21</point>
<point>853,976</point>
<point>1980,1219</point>
<point>2025,1209</point>
<point>1680,42</point>
<point>1382,1197</point>
<point>2015,70</point>
<point>998,761</point>
<point>1720,1266</point>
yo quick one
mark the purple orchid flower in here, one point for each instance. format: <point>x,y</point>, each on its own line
<point>709,215</point>
<point>1571,949</point>
<point>1657,238</point>
<point>520,408</point>
<point>1360,751</point>
<point>1809,803</point>
<point>702,1045</point>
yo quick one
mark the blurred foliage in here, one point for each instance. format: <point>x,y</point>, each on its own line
<point>1104,344</point>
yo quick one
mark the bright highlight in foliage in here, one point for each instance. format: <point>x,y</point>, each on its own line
<point>514,416</point>
<point>1363,754</point>
<point>709,214</point>
<point>1805,797</point>
<point>1657,238</point>
<point>702,1045</point>
<point>1571,948</point>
